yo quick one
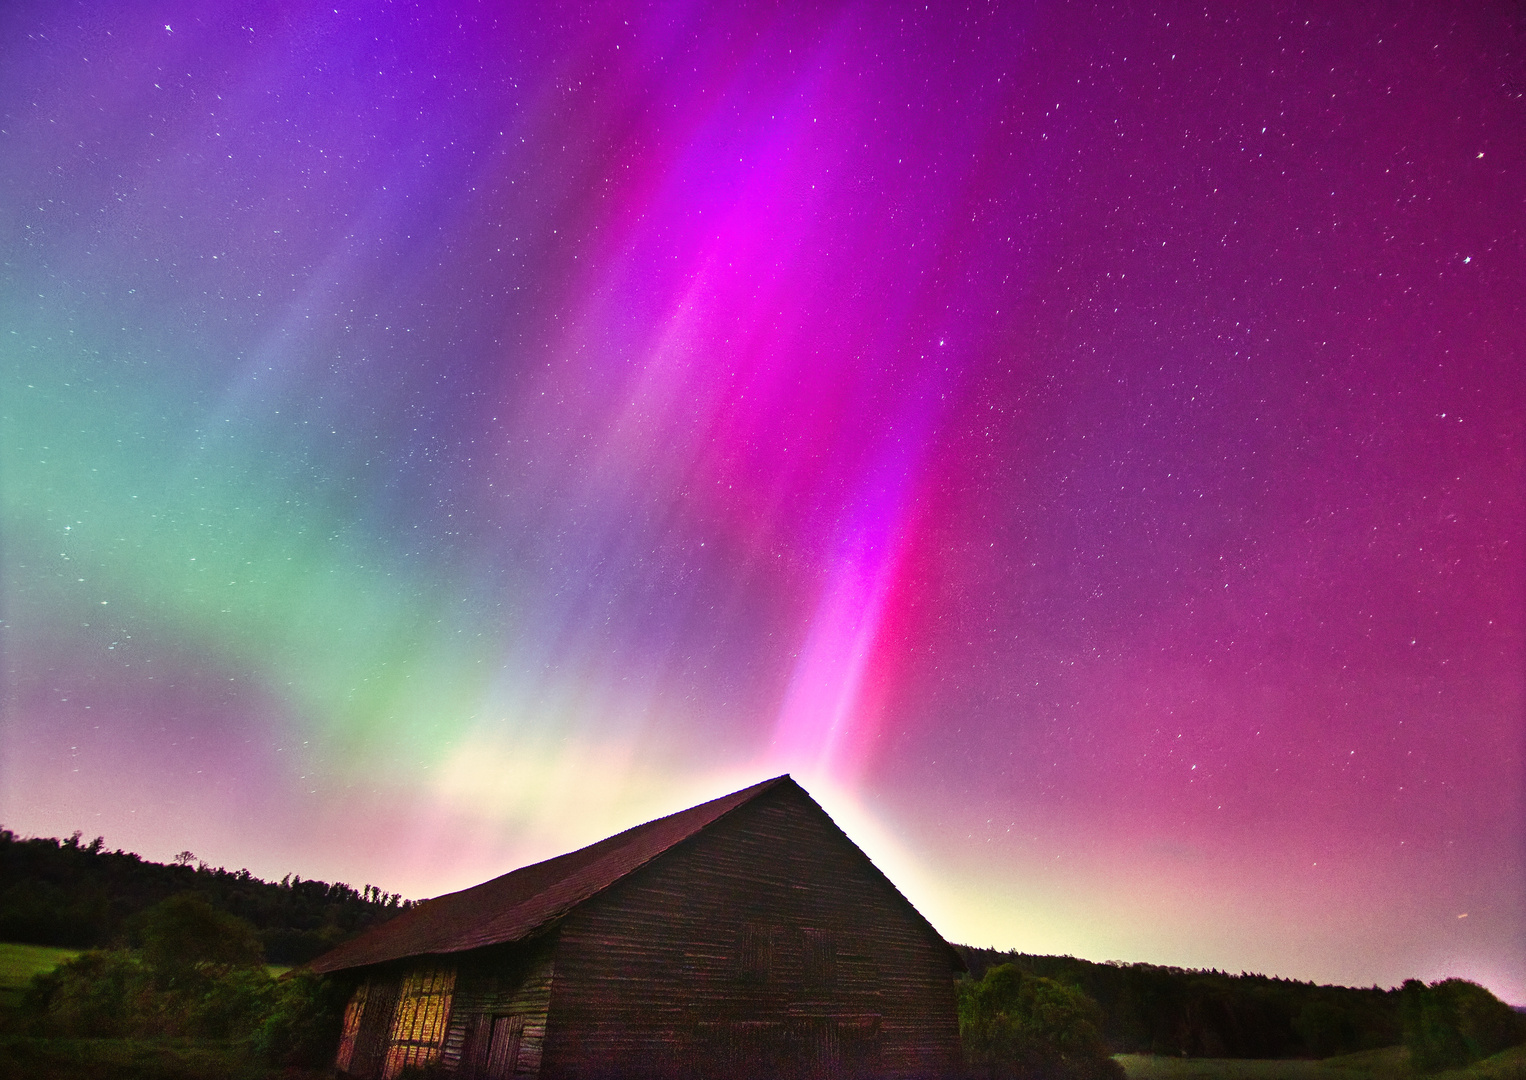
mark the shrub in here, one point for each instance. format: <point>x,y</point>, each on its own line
<point>1325,1028</point>
<point>302,1024</point>
<point>231,1005</point>
<point>1017,1025</point>
<point>96,994</point>
<point>109,994</point>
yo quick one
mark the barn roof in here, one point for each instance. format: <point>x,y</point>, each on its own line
<point>523,902</point>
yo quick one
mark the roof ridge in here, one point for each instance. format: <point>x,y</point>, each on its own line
<point>756,790</point>
<point>525,901</point>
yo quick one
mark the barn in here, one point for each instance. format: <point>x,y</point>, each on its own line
<point>747,936</point>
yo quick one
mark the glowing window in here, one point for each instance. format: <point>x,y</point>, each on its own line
<point>418,1025</point>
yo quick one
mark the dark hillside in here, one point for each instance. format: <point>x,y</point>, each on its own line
<point>62,892</point>
<point>1167,1010</point>
<point>65,893</point>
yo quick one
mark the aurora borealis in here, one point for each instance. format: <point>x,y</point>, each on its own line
<point>1083,444</point>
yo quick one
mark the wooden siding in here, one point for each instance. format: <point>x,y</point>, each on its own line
<point>766,946</point>
<point>396,1019</point>
<point>424,1014</point>
<point>350,1031</point>
<point>368,1022</point>
<point>502,983</point>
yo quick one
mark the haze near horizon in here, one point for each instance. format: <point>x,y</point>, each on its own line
<point>1082,445</point>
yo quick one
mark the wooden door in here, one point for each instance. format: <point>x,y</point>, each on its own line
<point>503,1050</point>
<point>492,1047</point>
<point>367,1024</point>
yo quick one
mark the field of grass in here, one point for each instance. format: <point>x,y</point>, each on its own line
<point>1391,1063</point>
<point>136,1059</point>
<point>18,963</point>
<point>1149,1067</point>
<point>1506,1065</point>
<point>24,1055</point>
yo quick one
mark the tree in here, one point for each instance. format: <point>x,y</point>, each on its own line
<point>185,935</point>
<point>1018,1025</point>
<point>1455,1022</point>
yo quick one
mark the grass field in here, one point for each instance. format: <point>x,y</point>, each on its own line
<point>1148,1067</point>
<point>1391,1063</point>
<point>23,1055</point>
<point>18,963</point>
<point>136,1059</point>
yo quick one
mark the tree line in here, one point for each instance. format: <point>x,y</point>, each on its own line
<point>1018,1025</point>
<point>79,895</point>
<point>179,950</point>
<point>1150,1009</point>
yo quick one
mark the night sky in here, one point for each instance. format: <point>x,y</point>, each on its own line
<point>1082,444</point>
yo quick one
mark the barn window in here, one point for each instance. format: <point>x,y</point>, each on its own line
<point>820,960</point>
<point>755,952</point>
<point>418,1026</point>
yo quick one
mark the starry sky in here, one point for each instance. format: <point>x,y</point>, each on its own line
<point>1082,443</point>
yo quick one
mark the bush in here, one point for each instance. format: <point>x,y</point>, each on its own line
<point>302,1024</point>
<point>232,1005</point>
<point>111,994</point>
<point>1455,1022</point>
<point>97,994</point>
<point>1017,1025</point>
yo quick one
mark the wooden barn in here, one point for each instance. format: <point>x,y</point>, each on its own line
<point>747,936</point>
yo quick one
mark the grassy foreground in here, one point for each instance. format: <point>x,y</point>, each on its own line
<point>18,963</point>
<point>1391,1063</point>
<point>35,1058</point>
<point>135,1059</point>
<point>1150,1067</point>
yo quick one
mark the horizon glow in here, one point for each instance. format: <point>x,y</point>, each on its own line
<point>1084,447</point>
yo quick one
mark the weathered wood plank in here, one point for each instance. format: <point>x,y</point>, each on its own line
<point>503,981</point>
<point>733,928</point>
<point>764,944</point>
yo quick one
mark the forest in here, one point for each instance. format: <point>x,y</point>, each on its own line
<point>1150,1009</point>
<point>81,896</point>
<point>178,950</point>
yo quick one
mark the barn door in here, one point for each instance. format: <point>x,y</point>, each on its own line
<point>858,1046</point>
<point>838,1047</point>
<point>492,1047</point>
<point>503,1051</point>
<point>823,1050</point>
<point>741,1050</point>
<point>366,1024</point>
